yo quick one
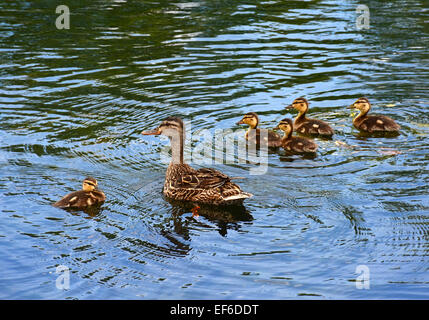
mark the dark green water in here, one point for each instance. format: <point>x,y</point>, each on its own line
<point>73,103</point>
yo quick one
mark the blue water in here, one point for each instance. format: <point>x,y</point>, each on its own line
<point>73,103</point>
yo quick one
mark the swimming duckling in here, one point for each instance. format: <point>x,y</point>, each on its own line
<point>305,125</point>
<point>292,143</point>
<point>184,183</point>
<point>253,133</point>
<point>372,123</point>
<point>88,196</point>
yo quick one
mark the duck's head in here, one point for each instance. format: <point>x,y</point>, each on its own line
<point>362,104</point>
<point>299,104</point>
<point>171,127</point>
<point>286,125</point>
<point>251,119</point>
<point>89,184</point>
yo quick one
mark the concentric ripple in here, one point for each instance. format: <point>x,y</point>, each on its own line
<point>73,103</point>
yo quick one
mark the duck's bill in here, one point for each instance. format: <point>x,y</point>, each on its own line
<point>240,122</point>
<point>351,107</point>
<point>276,128</point>
<point>289,107</point>
<point>151,132</point>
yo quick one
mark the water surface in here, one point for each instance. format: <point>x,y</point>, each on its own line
<point>73,103</point>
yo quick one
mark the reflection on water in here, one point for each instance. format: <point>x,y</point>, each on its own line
<point>73,103</point>
<point>92,211</point>
<point>225,217</point>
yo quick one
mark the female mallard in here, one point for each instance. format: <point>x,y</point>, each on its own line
<point>295,144</point>
<point>88,196</point>
<point>305,125</point>
<point>253,134</point>
<point>182,182</point>
<point>372,123</point>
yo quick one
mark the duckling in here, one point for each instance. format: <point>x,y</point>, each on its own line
<point>88,196</point>
<point>305,125</point>
<point>372,123</point>
<point>292,143</point>
<point>184,183</point>
<point>253,133</point>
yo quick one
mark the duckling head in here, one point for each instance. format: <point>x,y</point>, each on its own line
<point>251,119</point>
<point>299,104</point>
<point>89,184</point>
<point>286,125</point>
<point>362,104</point>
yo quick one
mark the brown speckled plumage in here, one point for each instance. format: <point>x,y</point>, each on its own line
<point>182,182</point>
<point>259,136</point>
<point>295,144</point>
<point>308,126</point>
<point>83,198</point>
<point>204,185</point>
<point>372,123</point>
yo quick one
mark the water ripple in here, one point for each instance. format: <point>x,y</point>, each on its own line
<point>73,103</point>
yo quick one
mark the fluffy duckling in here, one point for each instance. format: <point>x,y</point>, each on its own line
<point>372,123</point>
<point>88,196</point>
<point>184,183</point>
<point>292,143</point>
<point>253,134</point>
<point>305,125</point>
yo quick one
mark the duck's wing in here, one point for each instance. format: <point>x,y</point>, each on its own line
<point>98,195</point>
<point>301,145</point>
<point>274,139</point>
<point>204,178</point>
<point>206,185</point>
<point>379,123</point>
<point>68,201</point>
<point>314,126</point>
<point>268,136</point>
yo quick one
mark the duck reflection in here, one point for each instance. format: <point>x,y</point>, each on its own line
<point>91,212</point>
<point>287,156</point>
<point>225,217</point>
<point>362,135</point>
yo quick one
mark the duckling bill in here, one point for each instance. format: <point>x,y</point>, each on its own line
<point>308,126</point>
<point>372,123</point>
<point>292,143</point>
<point>253,134</point>
<point>82,199</point>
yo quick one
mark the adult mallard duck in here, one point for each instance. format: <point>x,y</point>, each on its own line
<point>305,125</point>
<point>82,199</point>
<point>182,182</point>
<point>372,123</point>
<point>292,143</point>
<point>253,134</point>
